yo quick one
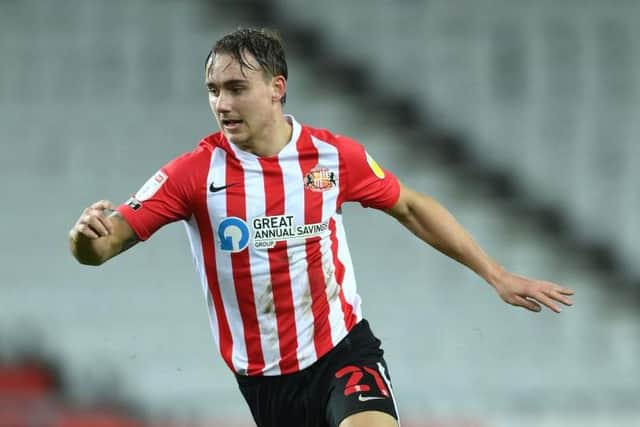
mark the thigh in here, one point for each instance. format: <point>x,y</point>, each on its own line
<point>361,387</point>
<point>277,401</point>
<point>370,419</point>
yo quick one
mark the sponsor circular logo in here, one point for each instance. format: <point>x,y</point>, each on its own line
<point>233,234</point>
<point>320,179</point>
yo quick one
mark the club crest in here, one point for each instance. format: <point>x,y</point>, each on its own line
<point>320,179</point>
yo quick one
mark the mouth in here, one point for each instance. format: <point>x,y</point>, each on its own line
<point>230,124</point>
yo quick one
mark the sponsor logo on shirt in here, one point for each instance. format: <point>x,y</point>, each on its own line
<point>151,187</point>
<point>214,189</point>
<point>233,234</point>
<point>266,231</point>
<point>319,179</point>
<point>375,167</point>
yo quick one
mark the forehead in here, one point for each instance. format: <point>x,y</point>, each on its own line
<point>223,67</point>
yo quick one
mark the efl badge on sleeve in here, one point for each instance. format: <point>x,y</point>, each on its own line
<point>375,167</point>
<point>151,186</point>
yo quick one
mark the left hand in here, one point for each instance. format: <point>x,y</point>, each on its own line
<point>527,293</point>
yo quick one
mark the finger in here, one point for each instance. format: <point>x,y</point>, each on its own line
<point>102,216</point>
<point>102,205</point>
<point>106,222</point>
<point>84,230</point>
<point>561,290</point>
<point>544,299</point>
<point>528,304</point>
<point>558,296</point>
<point>95,223</point>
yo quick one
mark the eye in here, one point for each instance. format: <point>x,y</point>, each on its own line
<point>237,90</point>
<point>212,90</point>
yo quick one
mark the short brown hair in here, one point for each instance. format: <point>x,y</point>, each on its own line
<point>264,44</point>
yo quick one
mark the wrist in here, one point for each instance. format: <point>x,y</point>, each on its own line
<point>494,273</point>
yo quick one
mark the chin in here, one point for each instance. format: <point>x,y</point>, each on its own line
<point>236,139</point>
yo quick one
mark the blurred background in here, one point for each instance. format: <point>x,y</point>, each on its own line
<point>521,117</point>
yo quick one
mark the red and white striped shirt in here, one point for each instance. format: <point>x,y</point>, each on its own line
<point>268,241</point>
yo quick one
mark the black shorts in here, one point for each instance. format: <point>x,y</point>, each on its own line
<point>351,378</point>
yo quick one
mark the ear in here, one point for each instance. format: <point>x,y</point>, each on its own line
<point>278,88</point>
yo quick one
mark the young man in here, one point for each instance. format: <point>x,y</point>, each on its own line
<point>262,201</point>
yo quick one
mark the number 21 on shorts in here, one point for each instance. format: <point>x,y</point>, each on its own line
<point>356,375</point>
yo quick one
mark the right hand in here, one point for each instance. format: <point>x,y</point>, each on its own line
<point>93,222</point>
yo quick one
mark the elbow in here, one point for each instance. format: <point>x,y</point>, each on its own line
<point>405,208</point>
<point>402,212</point>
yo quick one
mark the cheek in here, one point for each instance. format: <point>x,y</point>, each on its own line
<point>262,102</point>
<point>249,106</point>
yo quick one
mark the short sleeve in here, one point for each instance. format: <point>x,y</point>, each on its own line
<point>366,182</point>
<point>164,198</point>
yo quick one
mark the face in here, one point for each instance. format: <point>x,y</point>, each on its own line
<point>243,100</point>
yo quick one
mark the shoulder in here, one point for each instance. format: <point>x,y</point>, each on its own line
<point>189,169</point>
<point>212,141</point>
<point>344,144</point>
<point>209,143</point>
<point>199,156</point>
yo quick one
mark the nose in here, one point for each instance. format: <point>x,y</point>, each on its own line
<point>222,103</point>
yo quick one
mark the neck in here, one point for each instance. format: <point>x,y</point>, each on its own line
<point>272,139</point>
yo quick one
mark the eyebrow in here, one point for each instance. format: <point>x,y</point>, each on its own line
<point>228,83</point>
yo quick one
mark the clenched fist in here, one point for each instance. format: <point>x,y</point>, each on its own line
<point>94,222</point>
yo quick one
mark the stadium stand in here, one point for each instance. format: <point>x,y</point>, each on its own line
<point>545,92</point>
<point>496,108</point>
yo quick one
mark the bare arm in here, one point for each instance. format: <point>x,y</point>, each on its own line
<point>100,234</point>
<point>432,223</point>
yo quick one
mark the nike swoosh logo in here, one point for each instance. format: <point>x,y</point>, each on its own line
<point>362,398</point>
<point>215,189</point>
